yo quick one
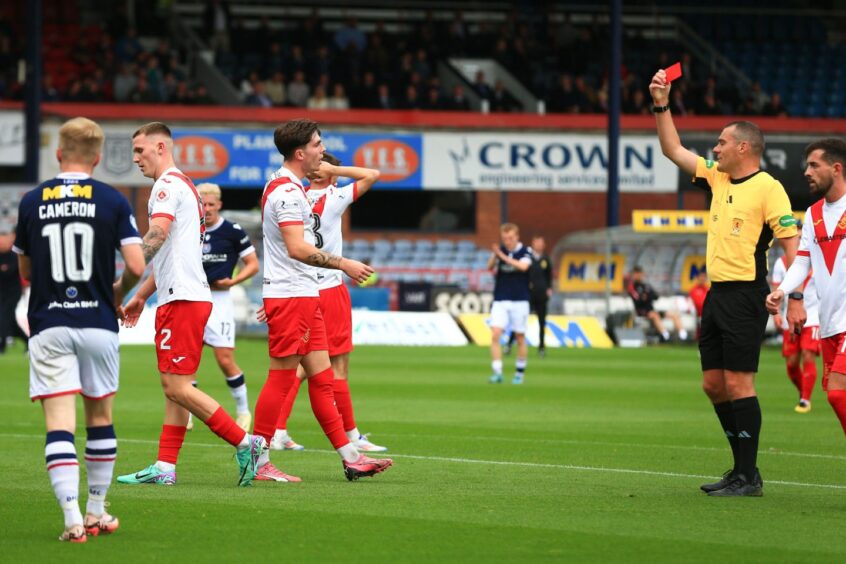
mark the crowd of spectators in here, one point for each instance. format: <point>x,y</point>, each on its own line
<point>562,63</point>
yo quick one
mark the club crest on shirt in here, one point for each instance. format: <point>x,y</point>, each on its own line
<point>162,195</point>
<point>736,226</point>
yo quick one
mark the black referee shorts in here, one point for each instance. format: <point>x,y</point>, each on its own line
<point>734,319</point>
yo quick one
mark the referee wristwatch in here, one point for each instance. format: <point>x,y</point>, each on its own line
<point>796,296</point>
<point>660,109</point>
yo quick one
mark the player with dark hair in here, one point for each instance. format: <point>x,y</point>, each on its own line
<point>822,252</point>
<point>67,233</point>
<point>748,208</point>
<point>296,329</point>
<point>329,202</point>
<point>173,243</point>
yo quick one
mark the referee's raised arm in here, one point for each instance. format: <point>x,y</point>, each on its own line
<point>671,145</point>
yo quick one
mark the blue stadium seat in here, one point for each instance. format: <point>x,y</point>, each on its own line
<point>423,245</point>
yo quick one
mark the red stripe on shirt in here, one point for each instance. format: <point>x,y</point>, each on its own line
<point>287,223</point>
<point>803,253</point>
<point>270,189</point>
<point>200,209</point>
<point>161,214</point>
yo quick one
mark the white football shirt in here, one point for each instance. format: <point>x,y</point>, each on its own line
<point>811,301</point>
<point>178,266</point>
<point>822,238</point>
<point>328,207</point>
<point>284,202</point>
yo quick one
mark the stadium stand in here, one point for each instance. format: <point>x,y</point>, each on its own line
<point>409,59</point>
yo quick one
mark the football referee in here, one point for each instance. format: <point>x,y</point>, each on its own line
<point>748,208</point>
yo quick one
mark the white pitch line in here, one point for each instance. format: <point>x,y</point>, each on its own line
<point>636,445</point>
<point>505,463</point>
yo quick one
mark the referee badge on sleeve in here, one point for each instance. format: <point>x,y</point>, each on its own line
<point>736,226</point>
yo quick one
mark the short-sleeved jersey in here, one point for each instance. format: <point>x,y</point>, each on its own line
<point>178,266</point>
<point>822,239</point>
<point>745,215</point>
<point>70,227</point>
<point>283,203</point>
<point>223,244</point>
<point>811,300</point>
<point>328,207</point>
<point>510,283</point>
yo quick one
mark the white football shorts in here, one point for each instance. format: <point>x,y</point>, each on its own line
<point>69,360</point>
<point>220,329</point>
<point>512,315</point>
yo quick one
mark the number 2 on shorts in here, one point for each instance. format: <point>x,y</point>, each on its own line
<point>165,338</point>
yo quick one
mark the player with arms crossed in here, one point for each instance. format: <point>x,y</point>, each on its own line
<point>510,262</point>
<point>800,352</point>
<point>329,202</point>
<point>822,252</point>
<point>67,233</point>
<point>296,329</point>
<point>173,243</point>
<point>223,244</point>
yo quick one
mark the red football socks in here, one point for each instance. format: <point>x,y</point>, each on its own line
<point>837,399</point>
<point>320,392</point>
<point>290,395</point>
<point>222,425</point>
<point>795,375</point>
<point>270,401</point>
<point>809,379</point>
<point>170,441</point>
<point>343,402</point>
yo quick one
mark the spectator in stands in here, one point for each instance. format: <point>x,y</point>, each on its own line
<point>376,57</point>
<point>481,86</point>
<point>677,103</point>
<point>757,98</point>
<point>411,101</point>
<point>585,96</point>
<point>128,47</point>
<point>709,106</point>
<point>322,63</point>
<point>275,89</point>
<point>459,101</point>
<point>384,99</point>
<point>366,94</point>
<point>564,99</point>
<point>774,107</point>
<point>142,94</point>
<point>258,98</point>
<point>247,84</point>
<point>318,99</point>
<point>501,99</point>
<point>348,35</point>
<point>125,82</point>
<point>48,91</point>
<point>155,80</point>
<point>216,20</point>
<point>421,64</point>
<point>182,94</point>
<point>637,104</point>
<point>339,100</point>
<point>644,295</point>
<point>298,90</point>
<point>434,99</point>
<point>201,96</point>
<point>296,62</point>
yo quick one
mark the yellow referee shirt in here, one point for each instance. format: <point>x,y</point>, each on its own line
<point>745,215</point>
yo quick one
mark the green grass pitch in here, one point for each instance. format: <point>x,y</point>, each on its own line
<point>598,457</point>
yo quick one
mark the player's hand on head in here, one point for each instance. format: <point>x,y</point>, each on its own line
<point>659,88</point>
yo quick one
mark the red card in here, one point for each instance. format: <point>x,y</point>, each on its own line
<point>673,72</point>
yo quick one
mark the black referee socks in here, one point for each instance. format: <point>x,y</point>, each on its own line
<point>747,419</point>
<point>726,415</point>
